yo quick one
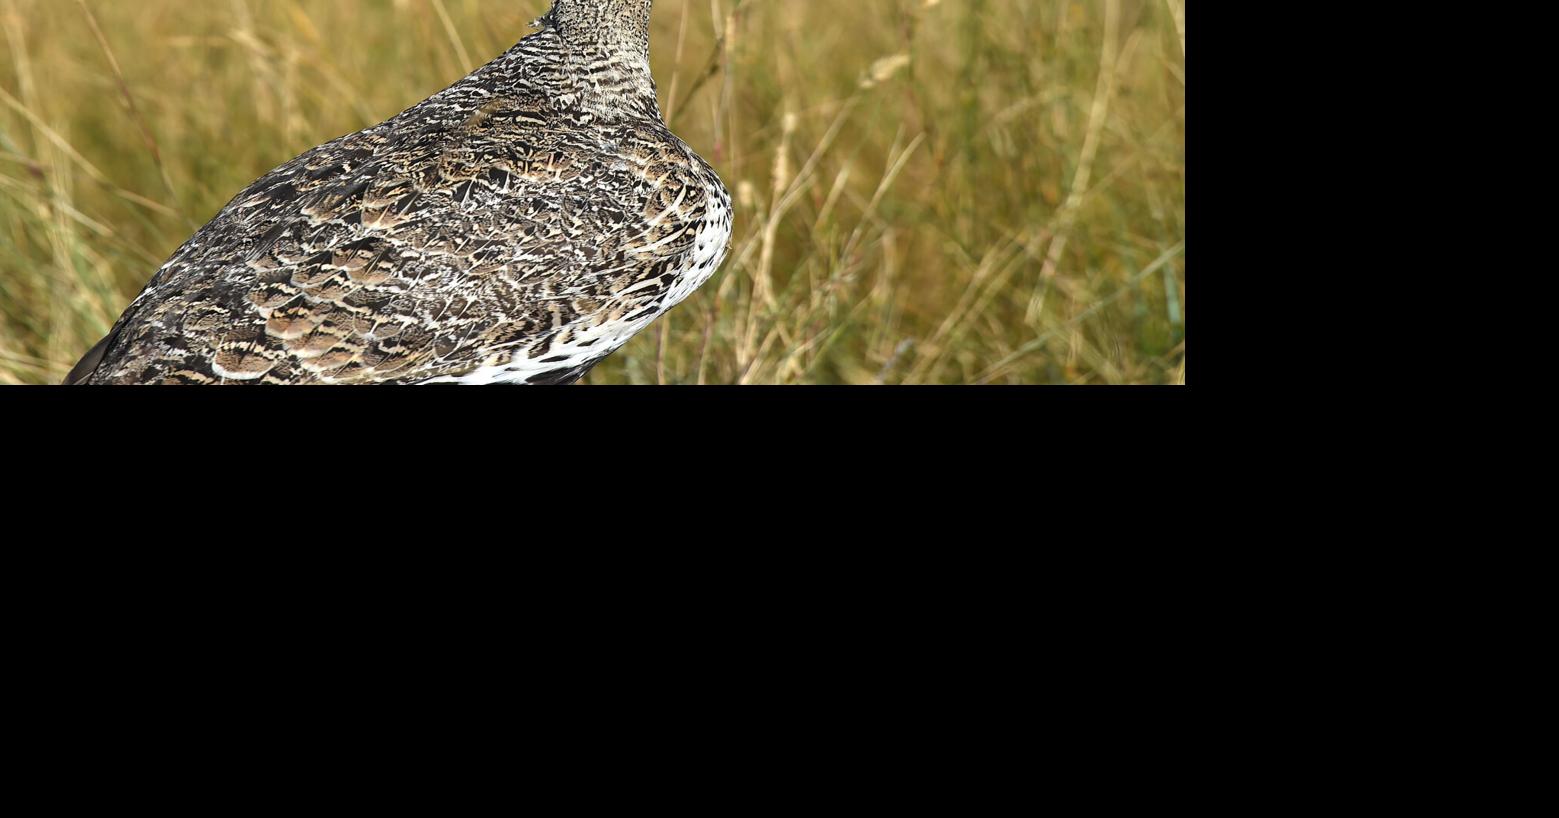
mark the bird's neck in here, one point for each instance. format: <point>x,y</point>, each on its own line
<point>603,48</point>
<point>623,24</point>
<point>603,71</point>
<point>607,83</point>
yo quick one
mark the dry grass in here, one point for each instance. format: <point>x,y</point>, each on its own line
<point>929,191</point>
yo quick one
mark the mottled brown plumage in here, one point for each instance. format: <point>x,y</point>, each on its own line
<point>517,227</point>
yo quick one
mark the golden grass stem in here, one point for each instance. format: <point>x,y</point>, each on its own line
<point>455,40</point>
<point>1097,116</point>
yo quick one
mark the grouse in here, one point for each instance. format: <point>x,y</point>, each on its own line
<point>516,228</point>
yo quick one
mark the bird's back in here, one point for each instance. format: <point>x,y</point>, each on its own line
<point>504,230</point>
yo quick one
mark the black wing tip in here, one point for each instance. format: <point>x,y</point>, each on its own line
<point>89,364</point>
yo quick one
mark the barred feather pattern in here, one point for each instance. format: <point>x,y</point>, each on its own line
<point>517,227</point>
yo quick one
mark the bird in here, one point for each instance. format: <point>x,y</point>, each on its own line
<point>518,228</point>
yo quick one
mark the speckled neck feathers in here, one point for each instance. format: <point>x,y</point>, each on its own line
<point>603,47</point>
<point>622,22</point>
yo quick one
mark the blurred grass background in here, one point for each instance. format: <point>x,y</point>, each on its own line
<point>929,191</point>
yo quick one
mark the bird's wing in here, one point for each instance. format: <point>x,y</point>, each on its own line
<point>406,253</point>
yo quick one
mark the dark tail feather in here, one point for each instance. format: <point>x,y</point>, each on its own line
<point>90,363</point>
